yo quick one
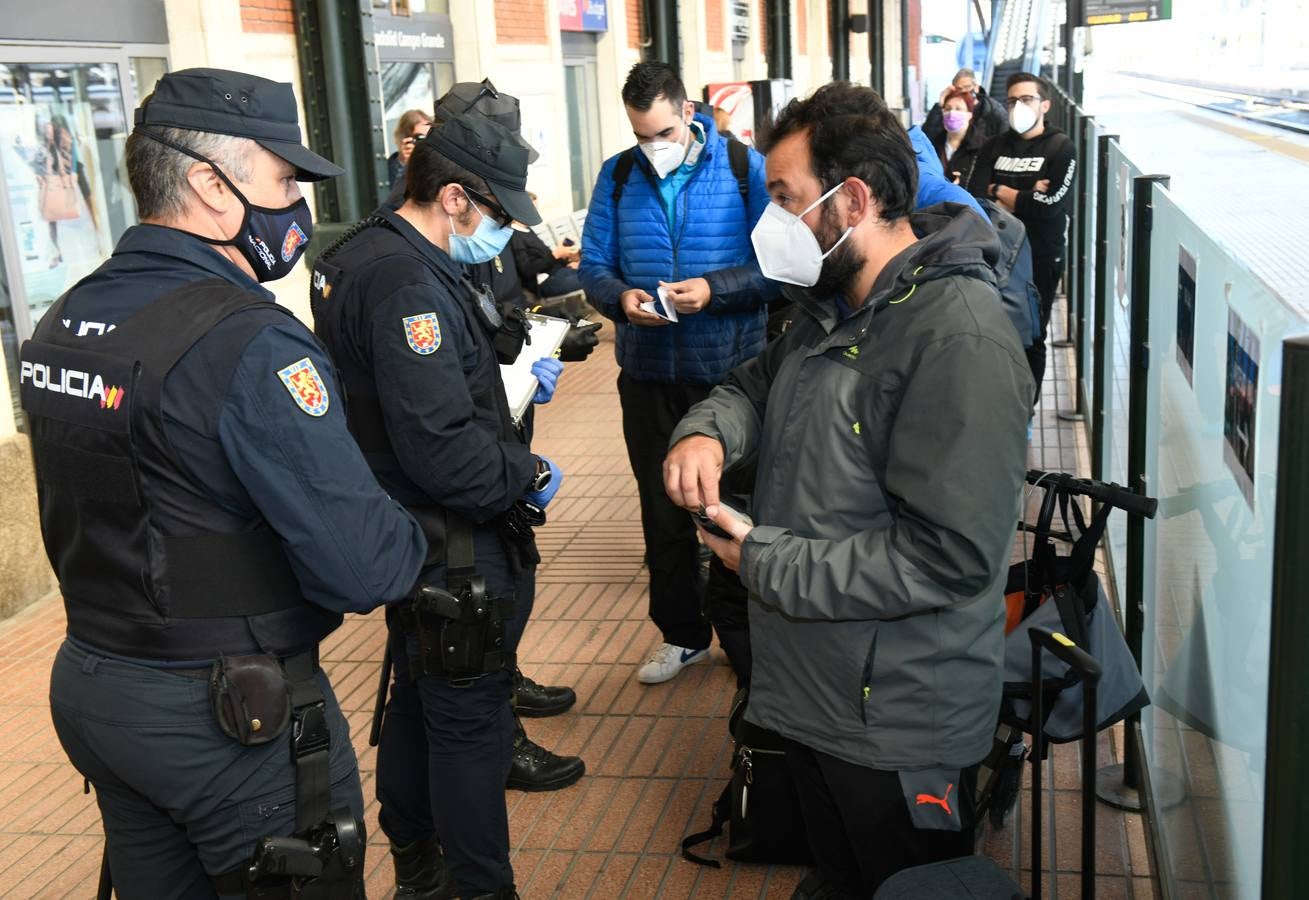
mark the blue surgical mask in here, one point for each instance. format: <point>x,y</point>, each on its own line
<point>483,245</point>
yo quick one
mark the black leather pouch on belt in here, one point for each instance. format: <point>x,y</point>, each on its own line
<point>250,697</point>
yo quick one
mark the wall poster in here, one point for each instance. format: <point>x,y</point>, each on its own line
<point>1240,403</point>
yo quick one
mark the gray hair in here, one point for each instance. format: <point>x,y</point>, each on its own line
<point>157,172</point>
<point>964,73</point>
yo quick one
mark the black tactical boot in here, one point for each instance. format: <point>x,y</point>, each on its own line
<point>537,769</point>
<point>420,871</point>
<point>536,701</point>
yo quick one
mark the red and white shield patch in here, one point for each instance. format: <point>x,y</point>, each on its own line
<point>423,332</point>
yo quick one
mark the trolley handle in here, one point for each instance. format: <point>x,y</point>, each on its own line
<point>1111,494</point>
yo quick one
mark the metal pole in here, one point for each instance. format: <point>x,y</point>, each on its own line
<point>877,47</point>
<point>1286,800</point>
<point>839,22</point>
<point>1125,792</point>
<point>1073,280</point>
<point>1098,378</point>
<point>779,38</point>
<point>663,32</point>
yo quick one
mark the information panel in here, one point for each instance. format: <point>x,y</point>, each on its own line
<point>1116,12</point>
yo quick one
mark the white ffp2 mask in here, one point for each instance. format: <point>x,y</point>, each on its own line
<point>666,156</point>
<point>786,249</point>
<point>1022,118</point>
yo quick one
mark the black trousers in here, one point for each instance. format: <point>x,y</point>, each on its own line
<point>858,824</point>
<point>445,750</point>
<point>1046,272</point>
<point>651,410</point>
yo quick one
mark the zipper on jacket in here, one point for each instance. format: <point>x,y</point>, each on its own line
<point>866,688</point>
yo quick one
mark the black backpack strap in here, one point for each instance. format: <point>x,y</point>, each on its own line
<point>721,813</point>
<point>738,156</point>
<point>623,171</point>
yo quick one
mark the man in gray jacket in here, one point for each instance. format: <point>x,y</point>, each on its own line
<point>888,428</point>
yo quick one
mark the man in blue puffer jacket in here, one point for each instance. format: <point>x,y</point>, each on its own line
<point>671,213</point>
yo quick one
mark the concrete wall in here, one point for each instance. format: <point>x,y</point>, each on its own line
<point>25,575</point>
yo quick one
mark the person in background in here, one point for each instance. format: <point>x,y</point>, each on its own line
<point>1029,170</point>
<point>543,271</point>
<point>888,431</point>
<point>672,216</point>
<point>958,146</point>
<point>413,125</point>
<point>988,112</point>
<point>723,122</point>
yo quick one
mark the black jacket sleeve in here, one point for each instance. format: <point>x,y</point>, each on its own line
<point>1060,169</point>
<point>533,258</point>
<point>982,167</point>
<point>429,411</point>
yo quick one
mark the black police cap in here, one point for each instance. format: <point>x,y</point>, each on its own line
<point>488,149</point>
<point>219,101</point>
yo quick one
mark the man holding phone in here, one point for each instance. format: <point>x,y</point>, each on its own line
<point>672,216</point>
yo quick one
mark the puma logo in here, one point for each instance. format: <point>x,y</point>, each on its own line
<point>943,802</point>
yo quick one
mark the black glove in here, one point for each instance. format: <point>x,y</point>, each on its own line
<point>579,341</point>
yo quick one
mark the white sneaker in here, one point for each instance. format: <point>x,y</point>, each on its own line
<point>667,661</point>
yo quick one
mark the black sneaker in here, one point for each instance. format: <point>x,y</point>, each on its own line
<point>420,871</point>
<point>535,768</point>
<point>536,701</point>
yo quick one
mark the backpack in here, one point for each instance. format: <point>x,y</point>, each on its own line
<point>1013,273</point>
<point>760,806</point>
<point>738,157</point>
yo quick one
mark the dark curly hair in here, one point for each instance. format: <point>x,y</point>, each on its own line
<point>648,81</point>
<point>852,133</point>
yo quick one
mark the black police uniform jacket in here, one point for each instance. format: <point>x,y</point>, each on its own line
<point>426,400</point>
<point>160,551</point>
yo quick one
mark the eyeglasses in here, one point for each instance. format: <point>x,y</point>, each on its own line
<point>1026,99</point>
<point>502,218</point>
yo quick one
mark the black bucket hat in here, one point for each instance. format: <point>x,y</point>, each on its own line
<point>489,149</point>
<point>219,101</point>
<point>482,97</point>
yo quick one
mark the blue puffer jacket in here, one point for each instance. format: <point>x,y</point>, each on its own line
<point>631,247</point>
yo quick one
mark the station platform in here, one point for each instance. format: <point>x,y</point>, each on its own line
<point>656,756</point>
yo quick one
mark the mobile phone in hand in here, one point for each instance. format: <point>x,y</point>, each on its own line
<point>713,527</point>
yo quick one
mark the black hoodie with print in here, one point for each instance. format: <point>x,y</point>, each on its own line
<point>1013,161</point>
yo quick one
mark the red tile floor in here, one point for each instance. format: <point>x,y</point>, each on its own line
<point>656,756</point>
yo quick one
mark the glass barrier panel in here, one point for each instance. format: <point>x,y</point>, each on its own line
<point>1213,392</point>
<point>1088,177</point>
<point>1118,325</point>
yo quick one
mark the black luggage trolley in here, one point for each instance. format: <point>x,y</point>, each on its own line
<point>1060,632</point>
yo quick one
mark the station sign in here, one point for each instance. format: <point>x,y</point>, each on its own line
<point>1118,12</point>
<point>583,15</point>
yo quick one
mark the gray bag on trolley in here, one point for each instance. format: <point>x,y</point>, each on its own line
<point>1064,594</point>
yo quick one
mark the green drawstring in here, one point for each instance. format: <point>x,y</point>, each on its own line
<point>912,288</point>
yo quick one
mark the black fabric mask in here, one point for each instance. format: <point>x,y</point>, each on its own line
<point>271,240</point>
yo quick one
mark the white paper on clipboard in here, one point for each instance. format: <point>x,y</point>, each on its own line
<point>547,333</point>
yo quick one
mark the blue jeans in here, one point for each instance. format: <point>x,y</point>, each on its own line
<point>180,800</point>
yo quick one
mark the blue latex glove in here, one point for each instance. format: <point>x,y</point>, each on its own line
<point>543,498</point>
<point>547,371</point>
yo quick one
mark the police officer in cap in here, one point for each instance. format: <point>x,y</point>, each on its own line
<point>209,516</point>
<point>413,339</point>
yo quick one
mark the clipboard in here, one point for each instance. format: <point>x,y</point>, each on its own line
<point>546,334</point>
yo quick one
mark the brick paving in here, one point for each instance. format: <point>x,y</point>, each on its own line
<point>656,756</point>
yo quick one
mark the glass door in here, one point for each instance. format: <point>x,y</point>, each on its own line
<point>583,105</point>
<point>63,128</point>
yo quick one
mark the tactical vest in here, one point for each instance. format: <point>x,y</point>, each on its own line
<point>343,312</point>
<point>149,565</point>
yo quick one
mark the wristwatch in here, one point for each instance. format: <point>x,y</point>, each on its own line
<point>541,480</point>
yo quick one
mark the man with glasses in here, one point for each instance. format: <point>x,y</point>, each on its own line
<point>1029,170</point>
<point>414,343</point>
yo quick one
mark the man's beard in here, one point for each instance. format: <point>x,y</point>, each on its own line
<point>844,263</point>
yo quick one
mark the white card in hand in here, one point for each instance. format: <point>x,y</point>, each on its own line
<point>661,307</point>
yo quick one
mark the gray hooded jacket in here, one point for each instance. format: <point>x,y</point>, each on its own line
<point>890,450</point>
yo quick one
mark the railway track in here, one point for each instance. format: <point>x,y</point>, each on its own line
<point>1278,109</point>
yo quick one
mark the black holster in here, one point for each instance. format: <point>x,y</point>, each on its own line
<point>460,636</point>
<point>325,862</point>
<point>460,628</point>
